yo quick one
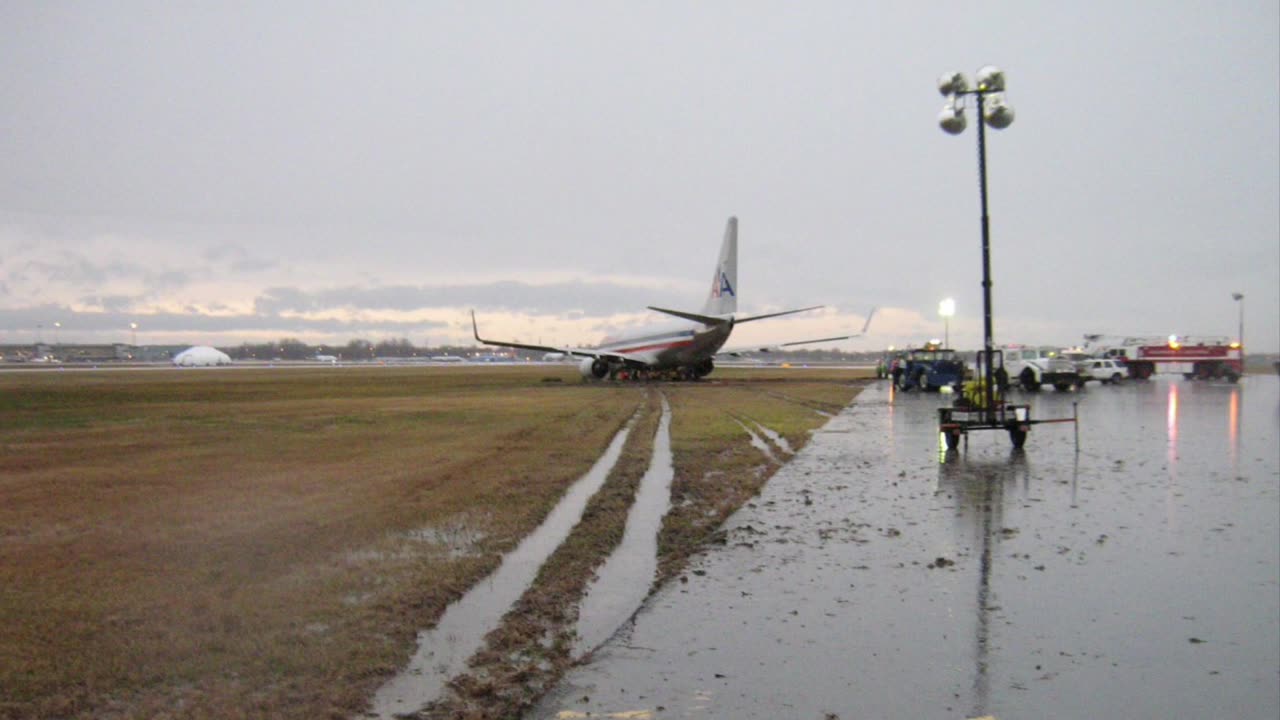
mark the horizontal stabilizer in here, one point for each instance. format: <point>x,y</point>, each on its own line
<point>777,314</point>
<point>704,319</point>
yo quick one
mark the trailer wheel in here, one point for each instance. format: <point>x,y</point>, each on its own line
<point>1018,437</point>
<point>953,439</point>
<point>1062,386</point>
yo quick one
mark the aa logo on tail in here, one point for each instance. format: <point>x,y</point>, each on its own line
<point>720,286</point>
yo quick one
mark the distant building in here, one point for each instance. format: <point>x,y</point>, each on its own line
<point>201,356</point>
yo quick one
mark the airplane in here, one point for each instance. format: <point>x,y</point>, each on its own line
<point>686,351</point>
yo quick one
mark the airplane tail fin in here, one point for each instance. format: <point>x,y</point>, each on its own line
<point>723,299</point>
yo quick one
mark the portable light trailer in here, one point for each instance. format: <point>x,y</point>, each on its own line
<point>977,408</point>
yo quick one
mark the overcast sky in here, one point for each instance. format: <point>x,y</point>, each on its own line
<point>224,172</point>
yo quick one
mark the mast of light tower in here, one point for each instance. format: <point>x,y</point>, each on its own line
<point>993,111</point>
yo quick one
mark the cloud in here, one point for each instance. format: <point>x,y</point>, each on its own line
<point>112,324</point>
<point>576,296</point>
<point>235,258</point>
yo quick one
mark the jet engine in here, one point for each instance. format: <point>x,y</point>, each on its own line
<point>594,368</point>
<point>703,368</point>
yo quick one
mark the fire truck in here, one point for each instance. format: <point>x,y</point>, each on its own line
<point>1196,357</point>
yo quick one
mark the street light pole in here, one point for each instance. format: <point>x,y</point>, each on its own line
<point>993,111</point>
<point>946,309</point>
<point>1239,298</point>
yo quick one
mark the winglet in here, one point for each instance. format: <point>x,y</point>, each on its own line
<point>867,324</point>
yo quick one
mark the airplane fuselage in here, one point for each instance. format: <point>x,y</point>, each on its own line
<point>685,346</point>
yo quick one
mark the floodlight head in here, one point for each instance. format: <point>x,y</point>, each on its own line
<point>998,113</point>
<point>951,119</point>
<point>991,79</point>
<point>953,83</point>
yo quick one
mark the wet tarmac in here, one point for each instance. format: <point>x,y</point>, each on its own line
<point>878,577</point>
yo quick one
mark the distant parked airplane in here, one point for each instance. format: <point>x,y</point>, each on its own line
<point>687,350</point>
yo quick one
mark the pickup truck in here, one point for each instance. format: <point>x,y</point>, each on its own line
<point>1031,367</point>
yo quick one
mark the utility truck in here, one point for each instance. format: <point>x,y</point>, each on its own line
<point>1196,357</point>
<point>930,368</point>
<point>1032,367</point>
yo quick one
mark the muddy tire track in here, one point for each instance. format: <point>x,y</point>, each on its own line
<point>532,648</point>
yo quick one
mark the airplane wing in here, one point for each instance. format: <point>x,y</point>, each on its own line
<point>779,347</point>
<point>718,320</point>
<point>580,352</point>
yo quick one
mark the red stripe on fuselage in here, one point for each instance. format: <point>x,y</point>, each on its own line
<point>658,346</point>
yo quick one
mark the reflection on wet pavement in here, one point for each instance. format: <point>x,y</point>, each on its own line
<point>444,649</point>
<point>1137,577</point>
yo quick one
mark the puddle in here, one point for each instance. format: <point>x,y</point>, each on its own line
<point>775,438</point>
<point>444,650</point>
<point>458,538</point>
<point>625,578</point>
<point>758,443</point>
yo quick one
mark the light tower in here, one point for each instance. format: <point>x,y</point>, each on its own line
<point>993,111</point>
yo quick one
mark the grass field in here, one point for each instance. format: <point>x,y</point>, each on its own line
<point>249,543</point>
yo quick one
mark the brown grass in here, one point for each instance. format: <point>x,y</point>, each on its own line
<point>246,543</point>
<point>243,542</point>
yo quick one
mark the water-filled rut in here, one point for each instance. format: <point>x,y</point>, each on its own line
<point>443,650</point>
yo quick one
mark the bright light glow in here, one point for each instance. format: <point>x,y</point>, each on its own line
<point>947,308</point>
<point>1234,346</point>
<point>1174,344</point>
